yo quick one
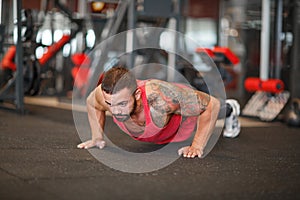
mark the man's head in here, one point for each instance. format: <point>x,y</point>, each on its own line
<point>120,92</point>
<point>118,78</point>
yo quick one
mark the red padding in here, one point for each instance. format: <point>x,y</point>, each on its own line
<point>80,76</point>
<point>227,53</point>
<point>272,85</point>
<point>252,84</point>
<point>80,59</point>
<point>8,59</point>
<point>54,48</point>
<point>80,71</point>
<point>208,51</point>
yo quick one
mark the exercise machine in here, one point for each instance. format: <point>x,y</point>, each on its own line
<point>270,97</point>
<point>30,73</point>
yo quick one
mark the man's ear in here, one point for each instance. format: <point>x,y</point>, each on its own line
<point>137,93</point>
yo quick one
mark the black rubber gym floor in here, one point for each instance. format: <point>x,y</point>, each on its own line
<point>39,160</point>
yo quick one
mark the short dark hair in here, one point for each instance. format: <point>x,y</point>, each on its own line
<point>118,78</point>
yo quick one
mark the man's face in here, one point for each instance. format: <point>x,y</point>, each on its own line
<point>122,104</point>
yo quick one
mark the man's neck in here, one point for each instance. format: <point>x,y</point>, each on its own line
<point>138,115</point>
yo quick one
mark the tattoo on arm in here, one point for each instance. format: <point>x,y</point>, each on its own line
<point>162,98</point>
<point>156,101</point>
<point>167,98</point>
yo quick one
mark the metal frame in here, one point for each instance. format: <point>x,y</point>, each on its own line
<point>265,40</point>
<point>0,11</point>
<point>114,23</point>
<point>295,71</point>
<point>17,81</point>
<point>19,91</point>
<point>279,11</point>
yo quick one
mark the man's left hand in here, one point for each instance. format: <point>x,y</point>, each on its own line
<point>190,152</point>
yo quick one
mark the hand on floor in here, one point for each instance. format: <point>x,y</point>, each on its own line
<point>92,143</point>
<point>190,152</point>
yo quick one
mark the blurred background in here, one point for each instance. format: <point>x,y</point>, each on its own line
<point>254,44</point>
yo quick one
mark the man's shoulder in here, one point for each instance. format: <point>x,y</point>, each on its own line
<point>154,82</point>
<point>100,102</point>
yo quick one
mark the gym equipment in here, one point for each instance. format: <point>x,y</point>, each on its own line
<point>8,59</point>
<point>131,14</point>
<point>80,71</point>
<point>294,86</point>
<point>18,95</point>
<point>225,55</point>
<point>253,84</point>
<point>2,29</point>
<point>33,65</point>
<point>270,96</point>
<point>220,56</point>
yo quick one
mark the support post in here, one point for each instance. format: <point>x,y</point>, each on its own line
<point>2,27</point>
<point>174,25</point>
<point>19,91</point>
<point>172,54</point>
<point>0,11</point>
<point>265,40</point>
<point>295,70</point>
<point>278,39</point>
<point>131,34</point>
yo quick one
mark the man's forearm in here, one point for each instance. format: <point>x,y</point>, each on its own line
<point>96,118</point>
<point>206,123</point>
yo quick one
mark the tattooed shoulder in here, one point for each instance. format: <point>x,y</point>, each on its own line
<point>162,96</point>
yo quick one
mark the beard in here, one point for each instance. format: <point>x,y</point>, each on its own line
<point>121,118</point>
<point>125,117</point>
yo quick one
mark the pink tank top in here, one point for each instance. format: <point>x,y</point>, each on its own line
<point>175,131</point>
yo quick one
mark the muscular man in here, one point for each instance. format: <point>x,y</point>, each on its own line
<point>151,111</point>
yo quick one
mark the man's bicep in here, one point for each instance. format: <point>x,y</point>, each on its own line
<point>203,99</point>
<point>193,103</point>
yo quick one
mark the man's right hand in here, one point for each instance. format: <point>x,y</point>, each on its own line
<point>92,143</point>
